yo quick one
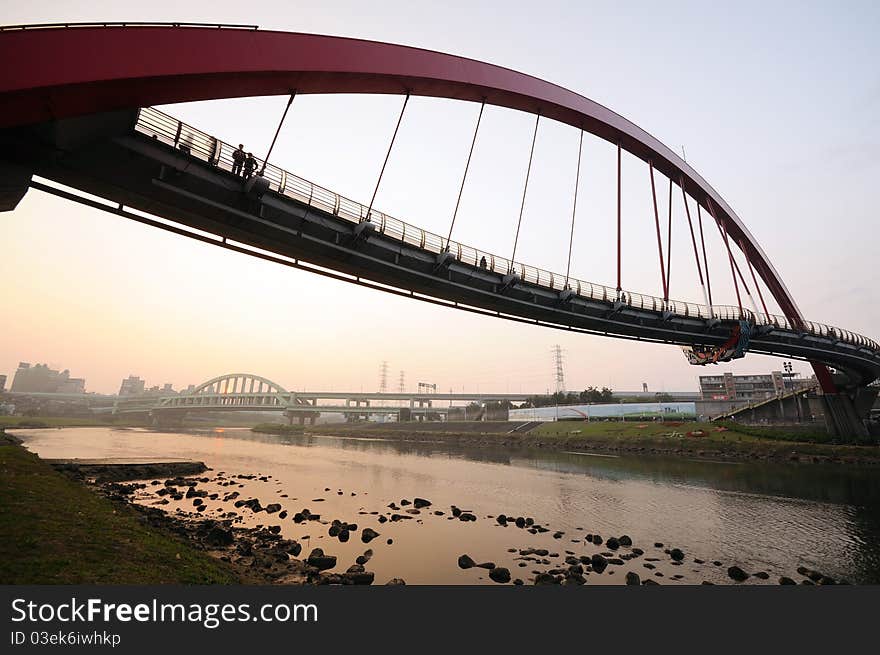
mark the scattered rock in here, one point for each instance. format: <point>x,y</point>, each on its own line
<point>633,578</point>
<point>465,562</point>
<point>320,561</point>
<point>500,574</point>
<point>737,573</point>
<point>368,535</point>
<point>545,578</point>
<point>360,578</point>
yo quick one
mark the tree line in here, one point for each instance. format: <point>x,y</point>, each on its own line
<point>590,395</point>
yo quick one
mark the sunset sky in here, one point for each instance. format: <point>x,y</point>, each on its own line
<point>778,109</point>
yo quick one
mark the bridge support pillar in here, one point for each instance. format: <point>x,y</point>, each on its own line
<point>14,181</point>
<point>846,412</point>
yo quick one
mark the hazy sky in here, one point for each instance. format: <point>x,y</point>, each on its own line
<point>777,105</point>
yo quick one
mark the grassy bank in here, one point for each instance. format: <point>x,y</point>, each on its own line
<point>671,438</point>
<point>63,422</point>
<point>54,530</point>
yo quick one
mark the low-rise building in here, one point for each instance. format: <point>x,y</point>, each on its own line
<point>131,386</point>
<point>42,379</point>
<point>750,387</point>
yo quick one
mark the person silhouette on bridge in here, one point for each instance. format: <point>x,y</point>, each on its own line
<point>238,159</point>
<point>483,262</point>
<point>249,165</point>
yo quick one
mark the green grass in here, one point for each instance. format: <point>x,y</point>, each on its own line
<point>805,433</point>
<point>716,437</point>
<point>54,530</point>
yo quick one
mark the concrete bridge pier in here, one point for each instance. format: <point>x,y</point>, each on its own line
<point>301,417</point>
<point>357,416</point>
<point>846,412</point>
<point>421,414</point>
<point>14,181</point>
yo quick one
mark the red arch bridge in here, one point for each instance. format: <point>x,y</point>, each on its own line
<point>75,110</point>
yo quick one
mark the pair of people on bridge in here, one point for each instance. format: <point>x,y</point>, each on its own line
<point>243,163</point>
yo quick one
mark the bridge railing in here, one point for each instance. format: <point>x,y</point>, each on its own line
<point>47,26</point>
<point>176,134</point>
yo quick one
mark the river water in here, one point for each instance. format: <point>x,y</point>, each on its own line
<point>759,516</point>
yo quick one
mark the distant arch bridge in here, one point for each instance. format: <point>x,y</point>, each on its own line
<point>246,392</point>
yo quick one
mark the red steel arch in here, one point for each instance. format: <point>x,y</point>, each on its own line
<point>54,73</point>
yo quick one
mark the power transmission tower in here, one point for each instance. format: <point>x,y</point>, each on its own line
<point>560,374</point>
<point>383,377</point>
<point>401,387</point>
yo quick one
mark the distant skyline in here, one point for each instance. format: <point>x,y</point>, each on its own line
<point>778,109</point>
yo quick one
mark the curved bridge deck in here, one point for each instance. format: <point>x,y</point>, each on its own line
<point>151,162</point>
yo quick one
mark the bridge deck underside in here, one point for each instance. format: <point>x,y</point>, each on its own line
<point>140,173</point>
